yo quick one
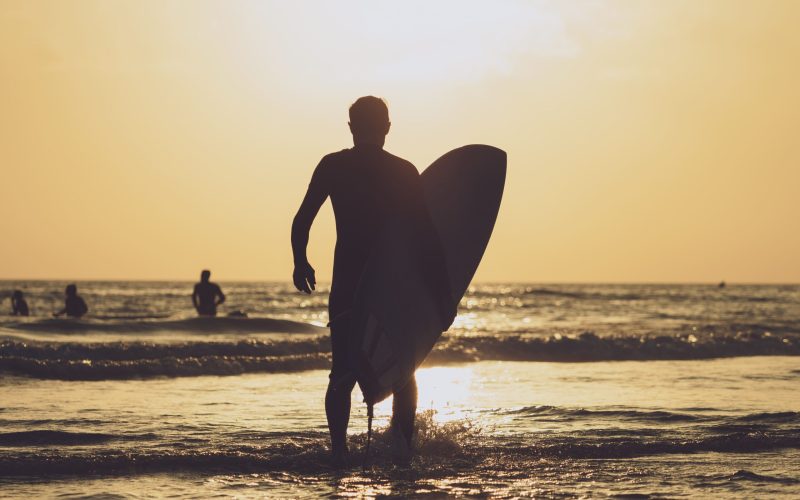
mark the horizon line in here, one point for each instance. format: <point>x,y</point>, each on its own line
<point>479,282</point>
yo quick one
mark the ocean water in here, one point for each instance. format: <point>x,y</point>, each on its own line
<point>632,391</point>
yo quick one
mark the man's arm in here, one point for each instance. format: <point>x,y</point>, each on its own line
<point>194,297</point>
<point>220,296</point>
<point>303,275</point>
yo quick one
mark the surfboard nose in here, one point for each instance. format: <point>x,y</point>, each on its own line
<point>484,154</point>
<point>480,166</point>
<point>474,171</point>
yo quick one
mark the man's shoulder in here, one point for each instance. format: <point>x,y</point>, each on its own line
<point>330,163</point>
<point>347,156</point>
<point>401,163</point>
<point>335,157</point>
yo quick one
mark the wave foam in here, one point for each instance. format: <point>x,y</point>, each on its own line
<point>121,360</point>
<point>451,446</point>
<point>64,438</point>
<point>190,325</point>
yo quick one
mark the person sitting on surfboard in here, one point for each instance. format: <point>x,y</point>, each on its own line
<point>207,295</point>
<point>74,305</point>
<point>366,185</point>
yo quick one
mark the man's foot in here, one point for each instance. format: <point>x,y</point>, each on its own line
<point>401,451</point>
<point>340,459</point>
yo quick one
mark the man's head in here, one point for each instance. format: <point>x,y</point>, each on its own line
<point>71,290</point>
<point>369,120</point>
<point>17,294</point>
<point>205,275</point>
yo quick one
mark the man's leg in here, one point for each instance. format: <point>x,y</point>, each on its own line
<point>337,397</point>
<point>404,408</point>
<point>337,409</point>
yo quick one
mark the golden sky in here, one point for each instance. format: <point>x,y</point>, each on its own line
<point>647,140</point>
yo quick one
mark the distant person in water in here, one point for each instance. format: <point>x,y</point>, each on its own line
<point>74,305</point>
<point>367,185</point>
<point>207,295</point>
<point>19,307</point>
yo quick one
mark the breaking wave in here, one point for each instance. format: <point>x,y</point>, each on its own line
<point>746,475</point>
<point>139,359</point>
<point>456,445</point>
<point>139,324</point>
<point>713,421</point>
<point>46,437</point>
<point>553,413</point>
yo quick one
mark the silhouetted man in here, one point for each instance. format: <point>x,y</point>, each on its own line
<point>19,307</point>
<point>207,295</point>
<point>367,186</point>
<point>74,305</point>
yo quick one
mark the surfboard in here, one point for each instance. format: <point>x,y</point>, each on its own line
<point>395,319</point>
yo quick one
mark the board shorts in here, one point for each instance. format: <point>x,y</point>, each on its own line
<point>340,340</point>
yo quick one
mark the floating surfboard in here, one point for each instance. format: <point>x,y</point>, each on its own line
<point>395,318</point>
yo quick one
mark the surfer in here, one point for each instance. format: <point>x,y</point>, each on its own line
<point>207,295</point>
<point>366,185</point>
<point>19,306</point>
<point>74,305</point>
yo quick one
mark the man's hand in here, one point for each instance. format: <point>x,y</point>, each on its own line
<point>304,279</point>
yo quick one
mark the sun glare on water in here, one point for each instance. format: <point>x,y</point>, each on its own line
<point>446,390</point>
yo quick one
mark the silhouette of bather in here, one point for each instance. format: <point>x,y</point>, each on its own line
<point>207,295</point>
<point>74,305</point>
<point>19,307</point>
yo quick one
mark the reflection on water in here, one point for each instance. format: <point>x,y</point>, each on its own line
<point>445,390</point>
<point>666,428</point>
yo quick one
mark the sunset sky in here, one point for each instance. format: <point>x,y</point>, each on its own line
<point>647,141</point>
